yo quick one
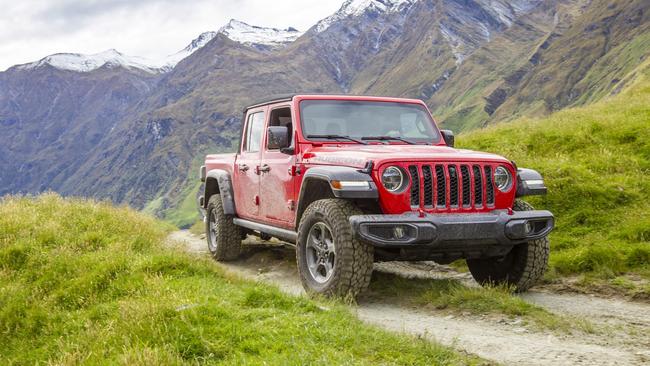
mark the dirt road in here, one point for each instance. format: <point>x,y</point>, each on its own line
<point>622,338</point>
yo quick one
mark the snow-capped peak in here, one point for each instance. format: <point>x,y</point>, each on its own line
<point>241,32</point>
<point>170,61</point>
<point>359,7</point>
<point>85,63</point>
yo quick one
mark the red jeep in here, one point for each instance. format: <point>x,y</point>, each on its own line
<point>351,180</point>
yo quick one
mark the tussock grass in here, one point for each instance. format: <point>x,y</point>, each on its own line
<point>596,163</point>
<point>85,282</point>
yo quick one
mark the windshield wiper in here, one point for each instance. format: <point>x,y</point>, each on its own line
<point>332,137</point>
<point>389,138</point>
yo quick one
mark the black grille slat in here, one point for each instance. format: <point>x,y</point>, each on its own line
<point>464,171</point>
<point>478,186</point>
<point>441,186</point>
<point>453,185</point>
<point>415,185</point>
<point>489,189</point>
<point>428,185</point>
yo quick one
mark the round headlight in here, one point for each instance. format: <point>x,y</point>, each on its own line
<point>392,178</point>
<point>502,179</point>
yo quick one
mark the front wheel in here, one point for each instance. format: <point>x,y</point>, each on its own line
<point>330,260</point>
<point>224,237</point>
<point>521,268</point>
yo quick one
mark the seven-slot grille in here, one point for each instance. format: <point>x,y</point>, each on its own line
<point>445,185</point>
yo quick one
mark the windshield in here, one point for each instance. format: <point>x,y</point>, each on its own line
<point>366,120</point>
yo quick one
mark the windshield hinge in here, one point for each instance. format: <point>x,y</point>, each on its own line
<point>367,169</point>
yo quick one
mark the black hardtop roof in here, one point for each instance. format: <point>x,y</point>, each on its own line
<point>288,97</point>
<point>272,99</point>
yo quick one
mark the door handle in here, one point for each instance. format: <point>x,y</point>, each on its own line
<point>243,168</point>
<point>263,169</point>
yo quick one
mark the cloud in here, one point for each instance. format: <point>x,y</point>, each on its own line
<point>32,29</point>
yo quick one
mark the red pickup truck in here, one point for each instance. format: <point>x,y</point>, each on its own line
<point>353,180</point>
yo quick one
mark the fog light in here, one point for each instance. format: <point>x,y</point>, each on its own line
<point>529,227</point>
<point>399,232</point>
<point>390,232</point>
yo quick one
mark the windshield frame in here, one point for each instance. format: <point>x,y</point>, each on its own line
<point>435,140</point>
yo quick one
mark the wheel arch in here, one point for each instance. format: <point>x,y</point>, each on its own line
<point>529,183</point>
<point>218,181</point>
<point>316,185</point>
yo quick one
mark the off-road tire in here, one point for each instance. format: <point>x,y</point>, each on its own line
<point>521,268</point>
<point>353,259</point>
<point>227,237</point>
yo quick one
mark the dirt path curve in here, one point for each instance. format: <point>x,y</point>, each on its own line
<point>625,343</point>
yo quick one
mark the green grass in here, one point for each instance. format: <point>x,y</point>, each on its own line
<point>187,212</point>
<point>452,296</point>
<point>85,282</point>
<point>197,228</point>
<point>180,209</point>
<point>596,163</point>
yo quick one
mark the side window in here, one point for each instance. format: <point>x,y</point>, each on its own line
<point>254,129</point>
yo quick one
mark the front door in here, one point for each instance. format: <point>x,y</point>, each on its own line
<point>277,174</point>
<point>246,180</point>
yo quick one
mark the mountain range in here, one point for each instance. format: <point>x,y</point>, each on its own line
<point>133,130</point>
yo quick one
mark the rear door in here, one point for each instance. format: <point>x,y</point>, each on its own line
<point>246,180</point>
<point>276,187</point>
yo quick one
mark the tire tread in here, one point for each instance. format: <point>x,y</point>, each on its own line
<point>229,238</point>
<point>355,259</point>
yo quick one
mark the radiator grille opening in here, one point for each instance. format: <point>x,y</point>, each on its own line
<point>478,186</point>
<point>489,189</point>
<point>441,186</point>
<point>428,186</point>
<point>453,186</point>
<point>415,185</point>
<point>464,171</point>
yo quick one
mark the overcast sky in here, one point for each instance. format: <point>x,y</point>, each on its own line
<point>32,29</point>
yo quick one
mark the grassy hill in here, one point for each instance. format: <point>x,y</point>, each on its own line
<point>85,282</point>
<point>596,162</point>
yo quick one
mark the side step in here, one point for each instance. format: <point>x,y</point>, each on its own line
<point>284,234</point>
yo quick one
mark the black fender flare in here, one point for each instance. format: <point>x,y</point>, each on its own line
<point>324,175</point>
<point>224,186</point>
<point>530,183</point>
<point>341,174</point>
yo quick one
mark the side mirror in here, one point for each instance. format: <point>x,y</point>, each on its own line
<point>448,136</point>
<point>277,137</point>
<point>288,150</point>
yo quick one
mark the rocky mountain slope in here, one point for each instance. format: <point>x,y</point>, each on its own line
<point>51,119</point>
<point>474,62</point>
<point>56,112</point>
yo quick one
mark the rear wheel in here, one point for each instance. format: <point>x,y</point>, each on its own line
<point>224,237</point>
<point>330,260</point>
<point>521,268</point>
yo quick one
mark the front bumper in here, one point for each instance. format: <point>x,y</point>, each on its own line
<point>452,230</point>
